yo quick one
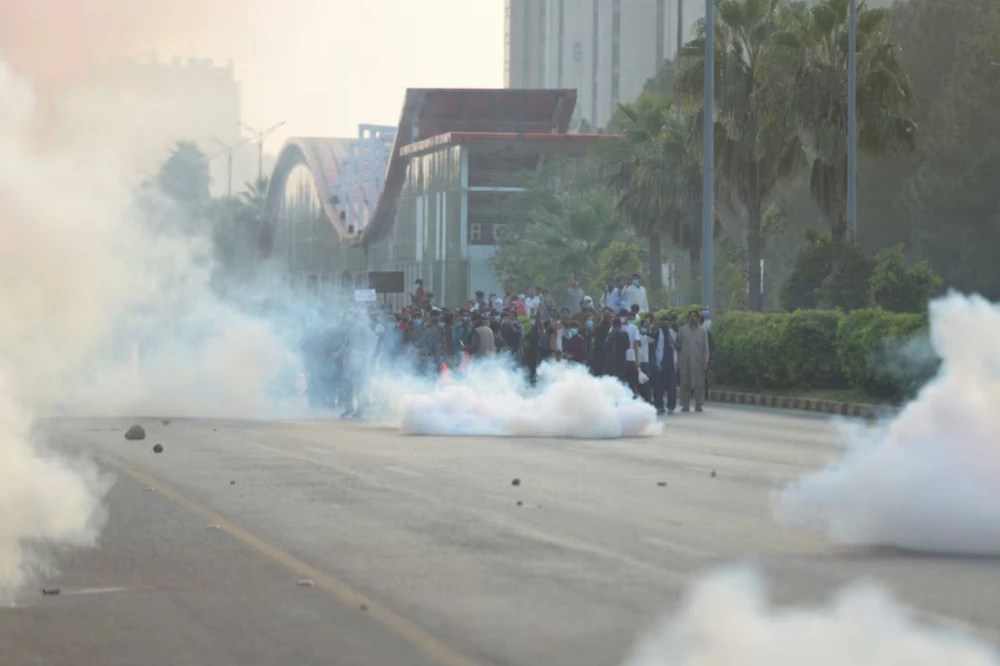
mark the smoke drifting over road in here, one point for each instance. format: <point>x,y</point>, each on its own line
<point>84,286</point>
<point>494,400</point>
<point>930,479</point>
<point>728,621</point>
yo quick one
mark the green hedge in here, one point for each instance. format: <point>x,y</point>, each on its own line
<point>819,349</point>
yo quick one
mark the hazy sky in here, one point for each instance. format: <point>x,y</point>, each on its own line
<point>322,65</point>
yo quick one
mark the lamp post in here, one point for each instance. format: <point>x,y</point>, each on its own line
<point>228,150</point>
<point>852,122</point>
<point>258,137</point>
<point>708,174</point>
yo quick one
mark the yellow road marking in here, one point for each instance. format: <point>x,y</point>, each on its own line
<point>339,589</point>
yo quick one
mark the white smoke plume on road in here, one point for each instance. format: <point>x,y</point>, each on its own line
<point>929,480</point>
<point>493,399</point>
<point>83,286</point>
<point>727,620</point>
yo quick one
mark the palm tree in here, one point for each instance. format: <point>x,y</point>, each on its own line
<point>812,56</point>
<point>562,240</point>
<point>655,176</point>
<point>753,146</point>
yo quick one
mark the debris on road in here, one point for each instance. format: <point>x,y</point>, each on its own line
<point>165,421</point>
<point>520,503</point>
<point>50,591</point>
<point>147,489</point>
<point>136,432</point>
<point>713,473</point>
<point>364,609</point>
<point>232,483</point>
<point>306,582</point>
<point>158,448</point>
<point>515,482</point>
<point>212,527</point>
<point>661,484</point>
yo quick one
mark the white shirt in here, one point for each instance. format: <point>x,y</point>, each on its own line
<point>531,304</point>
<point>644,343</point>
<point>633,337</point>
<point>636,296</point>
<point>498,303</point>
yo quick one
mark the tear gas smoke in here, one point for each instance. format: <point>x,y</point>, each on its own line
<point>930,479</point>
<point>494,399</point>
<point>84,285</point>
<point>727,620</point>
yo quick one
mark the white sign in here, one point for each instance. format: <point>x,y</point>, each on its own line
<point>365,296</point>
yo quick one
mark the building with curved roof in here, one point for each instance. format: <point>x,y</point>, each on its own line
<point>422,198</point>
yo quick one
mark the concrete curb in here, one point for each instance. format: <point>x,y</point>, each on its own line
<point>853,409</point>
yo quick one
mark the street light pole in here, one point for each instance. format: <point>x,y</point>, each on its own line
<point>228,150</point>
<point>708,175</point>
<point>259,137</point>
<point>852,123</point>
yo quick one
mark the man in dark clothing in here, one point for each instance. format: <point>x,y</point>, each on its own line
<point>615,348</point>
<point>483,342</point>
<point>597,345</point>
<point>512,334</point>
<point>574,346</point>
<point>665,362</point>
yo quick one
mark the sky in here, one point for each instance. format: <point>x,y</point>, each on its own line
<point>323,66</point>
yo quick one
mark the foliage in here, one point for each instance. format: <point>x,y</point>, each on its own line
<point>754,144</point>
<point>876,351</point>
<point>185,178</point>
<point>898,288</point>
<point>847,286</point>
<point>567,238</point>
<point>748,350</point>
<point>801,289</point>
<point>809,347</point>
<point>811,52</point>
<point>651,169</point>
<point>885,353</point>
<point>617,259</point>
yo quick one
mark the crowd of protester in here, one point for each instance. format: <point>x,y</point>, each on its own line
<point>663,361</point>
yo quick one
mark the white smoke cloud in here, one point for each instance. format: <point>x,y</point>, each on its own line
<point>100,316</point>
<point>494,399</point>
<point>728,621</point>
<point>930,479</point>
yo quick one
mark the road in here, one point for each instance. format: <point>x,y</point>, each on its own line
<point>328,542</point>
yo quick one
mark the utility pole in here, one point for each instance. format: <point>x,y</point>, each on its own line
<point>852,123</point>
<point>680,26</point>
<point>708,176</point>
<point>228,150</point>
<point>258,137</point>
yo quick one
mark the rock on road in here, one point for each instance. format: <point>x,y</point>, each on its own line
<point>326,542</point>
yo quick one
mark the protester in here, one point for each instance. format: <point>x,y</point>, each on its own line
<point>616,350</point>
<point>692,341</point>
<point>635,295</point>
<point>574,298</point>
<point>483,343</point>
<point>665,377</point>
<point>574,344</point>
<point>631,355</point>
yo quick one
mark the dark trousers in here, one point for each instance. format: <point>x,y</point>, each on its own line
<point>665,379</point>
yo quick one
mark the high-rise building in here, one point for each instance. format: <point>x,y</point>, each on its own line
<point>605,49</point>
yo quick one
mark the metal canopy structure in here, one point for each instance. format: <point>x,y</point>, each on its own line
<point>360,179</point>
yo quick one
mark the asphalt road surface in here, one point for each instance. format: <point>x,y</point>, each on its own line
<point>324,542</point>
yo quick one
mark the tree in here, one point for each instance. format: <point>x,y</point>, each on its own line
<point>185,178</point>
<point>898,288</point>
<point>801,290</point>
<point>566,239</point>
<point>754,147</point>
<point>655,176</point>
<point>812,50</point>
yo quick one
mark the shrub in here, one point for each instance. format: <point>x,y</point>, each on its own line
<point>812,266</point>
<point>847,287</point>
<point>809,349</point>
<point>875,349</point>
<point>896,288</point>
<point>748,350</point>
